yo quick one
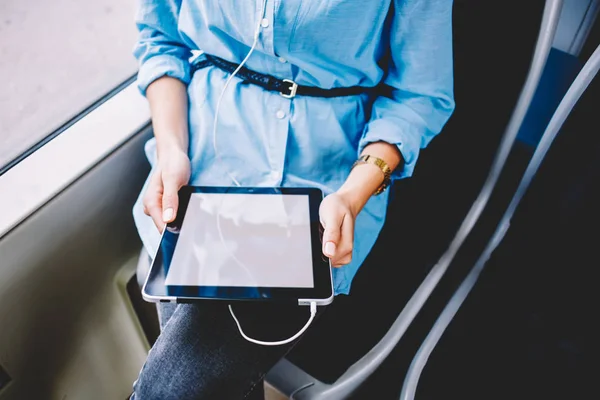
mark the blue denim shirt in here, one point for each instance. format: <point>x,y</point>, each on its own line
<point>265,139</point>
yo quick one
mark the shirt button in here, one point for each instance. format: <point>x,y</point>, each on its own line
<point>264,23</point>
<point>280,114</point>
<point>282,60</point>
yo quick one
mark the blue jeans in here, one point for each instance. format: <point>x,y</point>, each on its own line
<point>200,353</point>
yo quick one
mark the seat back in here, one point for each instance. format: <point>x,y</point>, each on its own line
<point>446,181</point>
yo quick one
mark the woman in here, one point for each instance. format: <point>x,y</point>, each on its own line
<point>340,50</point>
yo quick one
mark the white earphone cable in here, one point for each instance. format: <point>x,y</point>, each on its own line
<point>216,120</point>
<point>313,305</point>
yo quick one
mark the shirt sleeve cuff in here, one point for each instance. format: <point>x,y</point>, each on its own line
<point>162,65</point>
<point>394,131</point>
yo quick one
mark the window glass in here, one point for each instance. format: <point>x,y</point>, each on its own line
<point>57,58</point>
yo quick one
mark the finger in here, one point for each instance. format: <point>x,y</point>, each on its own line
<point>153,201</point>
<point>343,255</point>
<point>170,200</point>
<point>342,261</point>
<point>155,211</point>
<point>146,203</point>
<point>331,236</point>
<point>347,240</point>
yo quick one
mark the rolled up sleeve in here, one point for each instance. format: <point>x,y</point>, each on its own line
<point>160,49</point>
<point>420,75</point>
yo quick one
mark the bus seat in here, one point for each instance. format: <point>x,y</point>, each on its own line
<point>447,179</point>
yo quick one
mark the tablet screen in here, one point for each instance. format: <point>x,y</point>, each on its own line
<point>244,240</point>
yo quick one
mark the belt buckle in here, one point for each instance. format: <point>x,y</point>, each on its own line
<point>293,89</point>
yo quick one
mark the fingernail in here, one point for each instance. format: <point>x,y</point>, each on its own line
<point>167,214</point>
<point>330,248</point>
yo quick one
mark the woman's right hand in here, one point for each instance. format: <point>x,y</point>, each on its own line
<point>161,198</point>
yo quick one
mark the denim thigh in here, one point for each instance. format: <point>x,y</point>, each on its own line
<point>201,355</point>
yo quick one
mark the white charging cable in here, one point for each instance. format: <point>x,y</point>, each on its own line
<point>313,312</point>
<point>313,305</point>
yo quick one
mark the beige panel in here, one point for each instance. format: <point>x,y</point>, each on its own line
<point>65,331</point>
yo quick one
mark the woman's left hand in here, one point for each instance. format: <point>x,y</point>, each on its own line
<point>337,219</point>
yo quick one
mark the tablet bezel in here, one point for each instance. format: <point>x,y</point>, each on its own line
<point>155,290</point>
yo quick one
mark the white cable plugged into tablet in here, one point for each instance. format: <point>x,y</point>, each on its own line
<point>313,305</point>
<point>313,312</point>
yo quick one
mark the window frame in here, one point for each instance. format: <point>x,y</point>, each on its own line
<point>70,122</point>
<point>45,169</point>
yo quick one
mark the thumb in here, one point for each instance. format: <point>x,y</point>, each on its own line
<point>170,200</point>
<point>331,236</point>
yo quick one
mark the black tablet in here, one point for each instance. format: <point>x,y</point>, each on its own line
<point>242,243</point>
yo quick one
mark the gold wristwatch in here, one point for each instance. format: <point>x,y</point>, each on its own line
<point>379,163</point>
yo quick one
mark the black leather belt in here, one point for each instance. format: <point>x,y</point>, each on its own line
<point>286,87</point>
